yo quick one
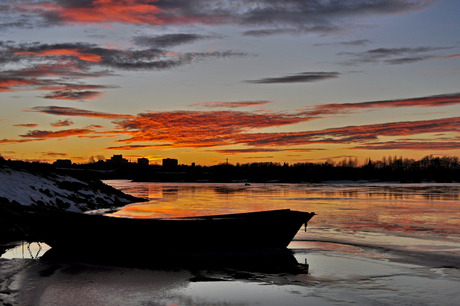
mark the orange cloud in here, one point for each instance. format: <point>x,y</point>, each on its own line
<point>351,134</point>
<point>221,128</point>
<point>106,11</point>
<point>8,141</point>
<point>6,84</point>
<point>68,52</point>
<point>200,129</point>
<point>452,56</point>
<point>263,17</point>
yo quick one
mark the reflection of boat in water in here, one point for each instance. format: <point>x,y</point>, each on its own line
<point>273,261</point>
<point>97,234</point>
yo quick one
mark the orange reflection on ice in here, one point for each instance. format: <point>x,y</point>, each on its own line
<point>351,218</point>
<point>147,211</point>
<point>402,208</point>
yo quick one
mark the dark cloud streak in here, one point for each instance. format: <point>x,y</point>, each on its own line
<point>29,125</point>
<point>231,104</point>
<point>74,95</point>
<point>168,40</point>
<point>392,56</point>
<point>39,134</point>
<point>70,111</point>
<point>401,145</point>
<point>429,101</point>
<point>358,42</point>
<point>304,77</point>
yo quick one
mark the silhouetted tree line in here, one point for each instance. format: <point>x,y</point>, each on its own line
<point>429,168</point>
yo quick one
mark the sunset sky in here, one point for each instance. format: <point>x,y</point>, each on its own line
<point>251,80</point>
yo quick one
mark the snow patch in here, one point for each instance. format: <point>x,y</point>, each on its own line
<point>49,189</point>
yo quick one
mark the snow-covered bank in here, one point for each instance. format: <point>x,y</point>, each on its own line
<point>41,185</point>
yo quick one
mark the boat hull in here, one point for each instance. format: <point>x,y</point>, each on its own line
<point>75,232</point>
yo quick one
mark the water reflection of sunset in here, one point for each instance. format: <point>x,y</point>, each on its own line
<point>402,208</point>
<point>409,215</point>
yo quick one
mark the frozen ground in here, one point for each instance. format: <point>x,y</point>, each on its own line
<point>47,188</point>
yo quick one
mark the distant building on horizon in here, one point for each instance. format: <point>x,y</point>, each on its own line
<point>117,160</point>
<point>63,163</point>
<point>170,163</point>
<point>143,162</point>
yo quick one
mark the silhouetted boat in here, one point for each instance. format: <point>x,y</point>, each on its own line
<point>266,230</point>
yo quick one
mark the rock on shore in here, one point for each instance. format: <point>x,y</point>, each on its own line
<point>42,185</point>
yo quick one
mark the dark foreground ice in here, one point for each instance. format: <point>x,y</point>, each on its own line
<point>323,273</point>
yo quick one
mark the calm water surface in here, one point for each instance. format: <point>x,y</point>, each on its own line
<point>370,244</point>
<point>418,217</point>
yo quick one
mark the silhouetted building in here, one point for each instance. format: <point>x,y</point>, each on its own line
<point>143,162</point>
<point>63,163</point>
<point>118,160</point>
<point>170,163</point>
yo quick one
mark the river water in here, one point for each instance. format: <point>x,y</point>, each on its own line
<point>370,244</point>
